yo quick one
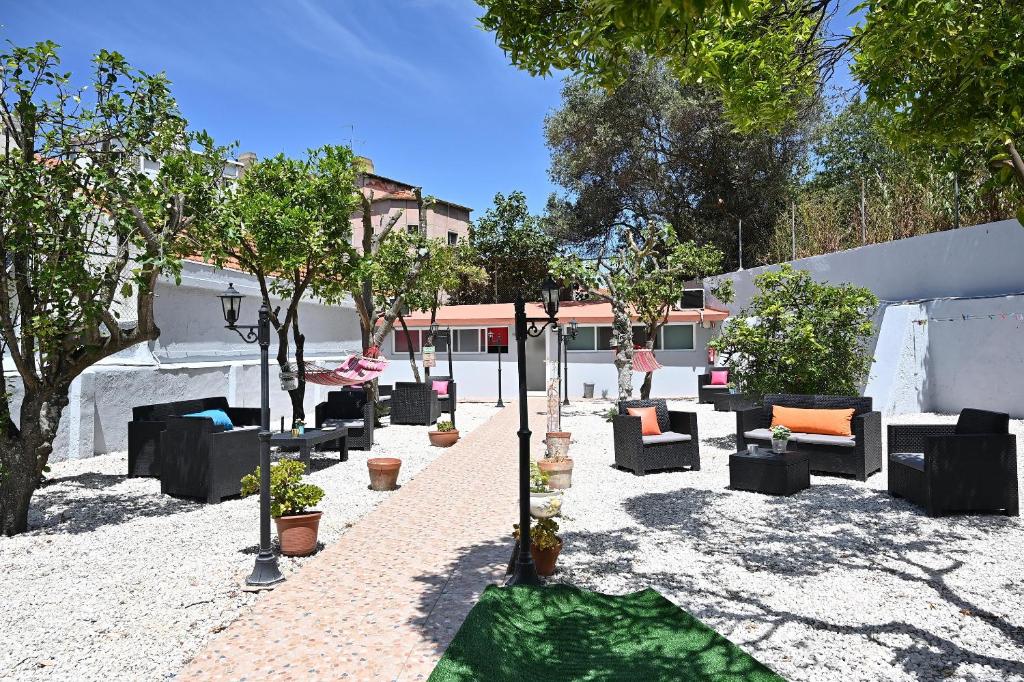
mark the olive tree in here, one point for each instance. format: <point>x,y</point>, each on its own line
<point>85,234</point>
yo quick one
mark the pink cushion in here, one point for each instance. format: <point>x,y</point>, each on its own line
<point>441,387</point>
<point>719,377</point>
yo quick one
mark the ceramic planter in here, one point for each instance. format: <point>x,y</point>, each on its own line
<point>545,559</point>
<point>545,505</point>
<point>558,444</point>
<point>559,472</point>
<point>297,533</point>
<point>779,446</point>
<point>384,472</point>
<point>443,439</point>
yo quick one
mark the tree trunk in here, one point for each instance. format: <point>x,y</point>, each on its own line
<point>412,353</point>
<point>622,337</point>
<point>24,453</point>
<point>298,396</point>
<point>645,388</point>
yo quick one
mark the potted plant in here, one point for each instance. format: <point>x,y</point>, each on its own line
<point>545,545</point>
<point>731,386</point>
<point>290,499</point>
<point>445,436</point>
<point>557,465</point>
<point>383,472</point>
<point>544,502</point>
<point>780,436</point>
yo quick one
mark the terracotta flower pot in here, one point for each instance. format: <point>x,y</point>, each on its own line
<point>544,559</point>
<point>558,444</point>
<point>443,439</point>
<point>559,472</point>
<point>297,533</point>
<point>384,472</point>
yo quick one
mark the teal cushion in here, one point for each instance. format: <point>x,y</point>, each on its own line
<point>219,417</point>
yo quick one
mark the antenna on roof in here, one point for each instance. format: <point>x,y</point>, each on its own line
<point>352,141</point>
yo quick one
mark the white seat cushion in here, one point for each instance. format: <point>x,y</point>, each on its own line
<point>758,434</point>
<point>666,437</point>
<point>821,439</point>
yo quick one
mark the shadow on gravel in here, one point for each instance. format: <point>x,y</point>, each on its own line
<point>827,527</point>
<point>722,442</point>
<point>84,503</point>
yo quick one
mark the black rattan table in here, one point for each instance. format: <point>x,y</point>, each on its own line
<point>733,402</point>
<point>312,437</point>
<point>770,473</point>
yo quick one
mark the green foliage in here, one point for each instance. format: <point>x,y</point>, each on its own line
<point>513,247</point>
<point>781,433</point>
<point>543,533</point>
<point>724,290</point>
<point>800,336</point>
<point>288,494</point>
<point>538,478</point>
<point>610,414</point>
<point>445,426</point>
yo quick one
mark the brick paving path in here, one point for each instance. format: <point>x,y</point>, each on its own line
<point>384,601</point>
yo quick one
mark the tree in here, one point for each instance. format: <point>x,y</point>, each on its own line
<point>642,277</point>
<point>287,222</point>
<point>512,246</point>
<point>84,234</point>
<point>800,336</point>
<point>653,150</point>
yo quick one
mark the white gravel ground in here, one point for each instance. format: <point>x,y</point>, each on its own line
<point>117,582</point>
<point>839,582</point>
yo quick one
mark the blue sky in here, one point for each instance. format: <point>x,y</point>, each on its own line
<point>413,84</point>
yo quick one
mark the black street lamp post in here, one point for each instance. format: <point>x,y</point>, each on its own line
<point>490,338</point>
<point>524,572</point>
<point>435,331</point>
<point>563,351</point>
<point>265,573</point>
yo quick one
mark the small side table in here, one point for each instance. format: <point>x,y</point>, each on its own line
<point>770,473</point>
<point>311,437</point>
<point>734,402</point>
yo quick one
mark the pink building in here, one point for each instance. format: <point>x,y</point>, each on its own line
<point>445,220</point>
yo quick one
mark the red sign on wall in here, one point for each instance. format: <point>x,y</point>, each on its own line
<point>497,336</point>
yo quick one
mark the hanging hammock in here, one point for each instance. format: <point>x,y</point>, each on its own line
<point>353,371</point>
<point>644,360</point>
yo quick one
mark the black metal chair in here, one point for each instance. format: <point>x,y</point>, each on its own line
<point>351,409</point>
<point>149,421</point>
<point>705,391</point>
<point>858,455</point>
<point>678,445</point>
<point>967,466</point>
<point>199,459</point>
<point>414,403</point>
<point>445,403</point>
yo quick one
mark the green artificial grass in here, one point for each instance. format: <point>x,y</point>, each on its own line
<point>563,633</point>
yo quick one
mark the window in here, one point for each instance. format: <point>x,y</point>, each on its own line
<point>604,338</point>
<point>403,342</point>
<point>640,338</point>
<point>678,336</point>
<point>412,228</point>
<point>453,238</point>
<point>466,340</point>
<point>584,339</point>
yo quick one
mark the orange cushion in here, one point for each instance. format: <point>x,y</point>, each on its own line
<point>824,422</point>
<point>648,420</point>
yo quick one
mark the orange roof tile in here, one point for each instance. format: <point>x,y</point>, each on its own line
<point>584,312</point>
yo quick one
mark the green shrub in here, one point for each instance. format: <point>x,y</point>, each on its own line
<point>288,494</point>
<point>538,478</point>
<point>799,336</point>
<point>445,426</point>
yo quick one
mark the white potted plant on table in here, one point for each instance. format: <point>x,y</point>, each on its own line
<point>780,437</point>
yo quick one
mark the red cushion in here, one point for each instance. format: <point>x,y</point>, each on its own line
<point>719,377</point>
<point>648,420</point>
<point>441,387</point>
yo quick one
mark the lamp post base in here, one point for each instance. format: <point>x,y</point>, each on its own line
<point>523,573</point>
<point>265,572</point>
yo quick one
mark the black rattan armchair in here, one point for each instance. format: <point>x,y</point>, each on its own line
<point>149,421</point>
<point>858,455</point>
<point>678,445</point>
<point>445,403</point>
<point>351,409</point>
<point>705,391</point>
<point>414,403</point>
<point>967,466</point>
<point>199,459</point>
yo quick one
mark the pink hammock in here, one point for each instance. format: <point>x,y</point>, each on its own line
<point>644,360</point>
<point>353,371</point>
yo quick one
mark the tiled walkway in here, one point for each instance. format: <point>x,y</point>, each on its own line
<point>385,600</point>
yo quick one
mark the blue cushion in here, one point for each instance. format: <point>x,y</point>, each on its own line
<point>219,417</point>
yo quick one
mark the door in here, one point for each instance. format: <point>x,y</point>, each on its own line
<point>535,368</point>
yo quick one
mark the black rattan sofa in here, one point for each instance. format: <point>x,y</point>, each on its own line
<point>858,455</point>
<point>967,466</point>
<point>705,391</point>
<point>678,445</point>
<point>351,409</point>
<point>199,459</point>
<point>414,403</point>
<point>149,421</point>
